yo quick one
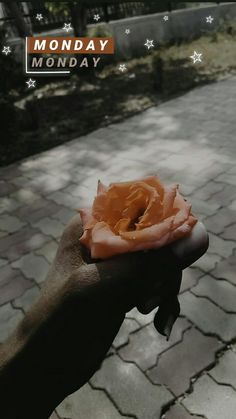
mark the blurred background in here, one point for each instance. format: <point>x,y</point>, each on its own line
<point>160,113</point>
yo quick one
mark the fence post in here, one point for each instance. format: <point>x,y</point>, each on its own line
<point>105,12</point>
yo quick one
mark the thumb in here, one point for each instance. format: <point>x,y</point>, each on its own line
<point>128,279</point>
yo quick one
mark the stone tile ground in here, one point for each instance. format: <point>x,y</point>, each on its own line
<point>186,140</point>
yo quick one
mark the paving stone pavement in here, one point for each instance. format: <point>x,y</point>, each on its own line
<point>187,140</point>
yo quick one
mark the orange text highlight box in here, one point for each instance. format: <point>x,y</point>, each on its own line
<point>69,45</point>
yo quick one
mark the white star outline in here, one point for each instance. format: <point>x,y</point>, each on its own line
<point>39,16</point>
<point>209,19</point>
<point>30,83</point>
<point>196,57</point>
<point>127,31</point>
<point>67,27</point>
<point>6,50</point>
<point>96,17</point>
<point>149,43</point>
<point>122,67</point>
<point>165,18</point>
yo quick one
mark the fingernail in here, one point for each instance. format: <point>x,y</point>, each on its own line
<point>166,316</point>
<point>168,327</point>
<point>148,306</point>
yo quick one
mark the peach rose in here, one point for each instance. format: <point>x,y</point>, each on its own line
<point>131,216</point>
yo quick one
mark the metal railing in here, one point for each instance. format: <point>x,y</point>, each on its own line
<point>107,12</point>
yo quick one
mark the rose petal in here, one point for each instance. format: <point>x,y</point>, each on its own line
<point>106,244</point>
<point>87,219</point>
<point>154,232</point>
<point>155,183</point>
<point>168,200</point>
<point>101,189</point>
<point>132,216</point>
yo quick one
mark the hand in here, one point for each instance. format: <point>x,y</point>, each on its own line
<point>67,333</point>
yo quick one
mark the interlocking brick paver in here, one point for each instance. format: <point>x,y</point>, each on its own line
<point>190,278</point>
<point>219,291</point>
<point>8,204</point>
<point>216,223</point>
<point>208,317</point>
<point>10,224</point>
<point>220,246</point>
<point>88,404</point>
<point>205,192</point>
<point>3,234</point>
<point>226,269</point>
<point>9,172</point>
<point>130,389</point>
<point>54,416</point>
<point>229,232</point>
<point>232,206</point>
<point>32,266</point>
<point>24,196</point>
<point>204,207</point>
<point>3,262</point>
<point>5,188</point>
<point>227,178</point>
<point>178,412</point>
<point>145,346</point>
<point>20,182</point>
<point>48,251</point>
<point>67,200</point>
<point>186,359</point>
<point>211,400</point>
<point>47,183</point>
<point>27,299</point>
<point>224,197</point>
<point>23,241</point>
<point>36,210</point>
<point>12,284</point>
<point>139,317</point>
<point>50,227</point>
<point>9,318</point>
<point>64,215</point>
<point>225,370</point>
<point>207,262</point>
<point>128,326</point>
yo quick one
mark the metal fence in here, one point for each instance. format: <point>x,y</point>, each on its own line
<point>106,11</point>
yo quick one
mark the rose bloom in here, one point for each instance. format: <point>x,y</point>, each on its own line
<point>132,216</point>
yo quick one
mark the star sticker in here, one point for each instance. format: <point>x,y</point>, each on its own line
<point>165,18</point>
<point>127,31</point>
<point>67,27</point>
<point>96,17</point>
<point>196,57</point>
<point>122,67</point>
<point>209,19</point>
<point>30,83</point>
<point>149,44</point>
<point>39,16</point>
<point>6,50</point>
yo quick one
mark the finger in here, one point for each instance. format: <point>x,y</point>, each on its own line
<point>186,251</point>
<point>169,286</point>
<point>132,278</point>
<point>191,247</point>
<point>69,254</point>
<point>149,305</point>
<point>166,316</point>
